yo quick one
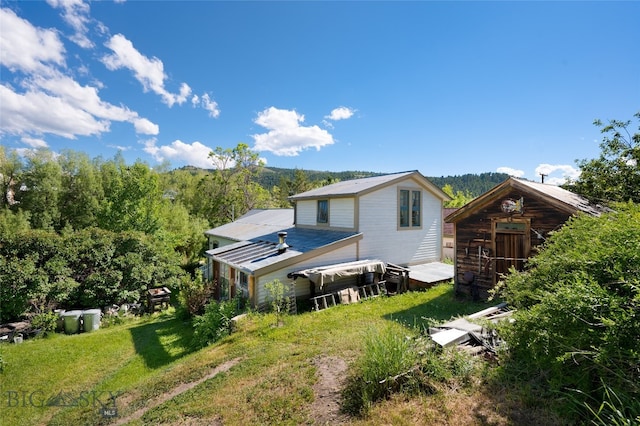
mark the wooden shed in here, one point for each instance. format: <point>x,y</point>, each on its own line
<point>502,227</point>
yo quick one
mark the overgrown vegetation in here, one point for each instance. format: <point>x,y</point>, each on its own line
<point>215,323</point>
<point>193,296</point>
<point>46,322</point>
<point>92,268</point>
<point>578,319</point>
<point>279,301</point>
<point>401,361</point>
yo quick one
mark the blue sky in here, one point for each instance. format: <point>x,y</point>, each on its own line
<point>446,88</point>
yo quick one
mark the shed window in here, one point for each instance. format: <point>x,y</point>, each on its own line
<point>323,211</point>
<point>511,226</point>
<point>409,209</point>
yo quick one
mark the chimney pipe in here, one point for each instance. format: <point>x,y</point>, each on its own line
<point>282,242</point>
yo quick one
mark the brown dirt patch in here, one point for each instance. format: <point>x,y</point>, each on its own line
<point>325,409</point>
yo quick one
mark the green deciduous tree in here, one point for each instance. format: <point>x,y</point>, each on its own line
<point>81,190</point>
<point>132,198</point>
<point>615,175</point>
<point>231,190</point>
<point>458,199</point>
<point>40,188</point>
<point>10,169</point>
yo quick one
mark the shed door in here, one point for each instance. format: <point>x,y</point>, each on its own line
<point>511,246</point>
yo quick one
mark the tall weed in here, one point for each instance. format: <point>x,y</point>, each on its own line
<point>395,363</point>
<point>387,366</point>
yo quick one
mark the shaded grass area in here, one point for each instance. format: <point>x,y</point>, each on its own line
<point>79,373</point>
<point>273,384</point>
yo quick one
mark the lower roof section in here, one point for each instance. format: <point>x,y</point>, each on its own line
<point>263,252</point>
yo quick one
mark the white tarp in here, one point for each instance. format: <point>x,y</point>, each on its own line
<point>331,273</point>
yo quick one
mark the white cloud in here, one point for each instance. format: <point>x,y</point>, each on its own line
<point>207,103</point>
<point>27,48</point>
<point>510,171</point>
<point>120,147</point>
<point>194,154</point>
<point>39,113</point>
<point>34,142</point>
<point>46,100</point>
<point>551,173</point>
<point>286,137</point>
<point>340,113</point>
<point>145,127</point>
<point>76,14</point>
<point>148,71</point>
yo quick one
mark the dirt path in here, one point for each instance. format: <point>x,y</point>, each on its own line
<point>177,391</point>
<point>325,408</point>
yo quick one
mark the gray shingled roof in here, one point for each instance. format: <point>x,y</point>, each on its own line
<point>352,187</point>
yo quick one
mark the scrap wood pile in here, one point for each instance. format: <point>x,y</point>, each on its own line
<point>9,331</point>
<point>472,333</point>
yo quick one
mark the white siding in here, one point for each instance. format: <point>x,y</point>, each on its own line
<point>379,225</point>
<point>306,212</point>
<point>341,212</point>
<point>345,254</point>
<point>222,241</point>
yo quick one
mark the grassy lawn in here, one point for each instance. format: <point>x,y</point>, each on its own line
<point>272,382</point>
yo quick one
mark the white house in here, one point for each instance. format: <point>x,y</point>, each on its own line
<point>395,218</point>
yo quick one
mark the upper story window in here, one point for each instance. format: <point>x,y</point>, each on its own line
<point>323,211</point>
<point>409,209</point>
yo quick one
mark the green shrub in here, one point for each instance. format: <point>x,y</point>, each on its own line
<point>215,323</point>
<point>578,317</point>
<point>193,296</point>
<point>279,300</point>
<point>45,321</point>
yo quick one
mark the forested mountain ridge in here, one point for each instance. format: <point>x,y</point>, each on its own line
<point>472,183</point>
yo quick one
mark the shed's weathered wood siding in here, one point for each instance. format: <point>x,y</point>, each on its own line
<point>383,239</point>
<point>474,240</point>
<point>302,287</point>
